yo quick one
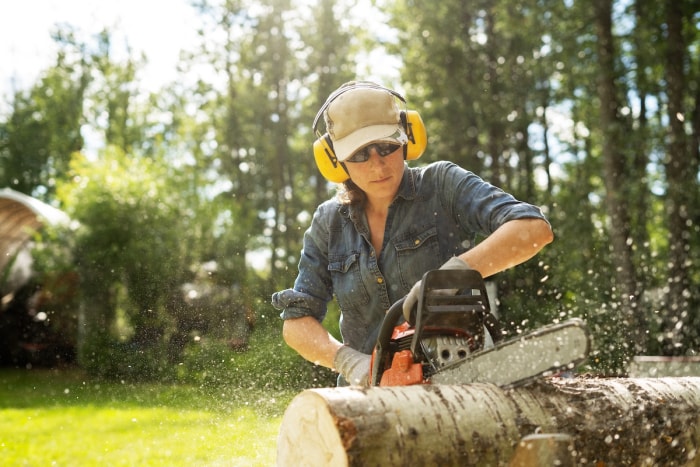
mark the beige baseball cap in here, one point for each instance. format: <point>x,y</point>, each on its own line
<point>362,116</point>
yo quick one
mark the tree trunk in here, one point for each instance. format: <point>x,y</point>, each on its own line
<point>681,174</point>
<point>616,183</point>
<point>620,421</point>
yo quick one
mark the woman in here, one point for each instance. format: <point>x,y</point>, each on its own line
<point>389,224</point>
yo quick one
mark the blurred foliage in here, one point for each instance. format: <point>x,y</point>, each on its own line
<point>270,364</point>
<point>564,105</point>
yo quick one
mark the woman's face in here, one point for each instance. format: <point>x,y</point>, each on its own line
<point>379,176</point>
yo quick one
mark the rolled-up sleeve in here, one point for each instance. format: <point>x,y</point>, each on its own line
<point>295,304</point>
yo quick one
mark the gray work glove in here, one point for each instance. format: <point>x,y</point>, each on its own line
<point>353,365</point>
<point>412,297</point>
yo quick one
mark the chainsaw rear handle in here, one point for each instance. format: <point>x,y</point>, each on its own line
<point>460,281</point>
<point>381,350</point>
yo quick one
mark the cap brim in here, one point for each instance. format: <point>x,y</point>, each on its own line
<point>345,147</point>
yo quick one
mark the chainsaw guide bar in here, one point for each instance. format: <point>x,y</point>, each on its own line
<point>518,361</point>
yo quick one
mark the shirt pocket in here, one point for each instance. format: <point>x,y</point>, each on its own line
<point>418,253</point>
<point>347,281</point>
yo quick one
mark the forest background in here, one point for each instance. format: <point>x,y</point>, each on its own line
<point>190,212</point>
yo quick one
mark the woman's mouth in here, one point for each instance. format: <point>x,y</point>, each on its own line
<point>382,180</point>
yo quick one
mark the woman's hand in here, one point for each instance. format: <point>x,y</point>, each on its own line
<point>412,298</point>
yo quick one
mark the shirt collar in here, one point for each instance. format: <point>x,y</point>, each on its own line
<point>407,189</point>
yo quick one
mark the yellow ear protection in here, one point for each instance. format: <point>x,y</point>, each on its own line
<point>326,161</point>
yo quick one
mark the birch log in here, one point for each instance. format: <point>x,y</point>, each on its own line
<point>620,421</point>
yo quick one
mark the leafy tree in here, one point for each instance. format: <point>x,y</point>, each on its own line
<point>127,249</point>
<point>231,160</point>
<point>114,95</point>
<point>260,151</point>
<point>43,129</point>
<point>451,88</point>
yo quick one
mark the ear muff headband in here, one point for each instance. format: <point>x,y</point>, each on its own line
<point>324,155</point>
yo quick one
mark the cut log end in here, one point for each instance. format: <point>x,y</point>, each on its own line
<point>313,437</point>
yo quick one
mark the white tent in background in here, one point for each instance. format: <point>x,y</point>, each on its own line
<point>20,216</point>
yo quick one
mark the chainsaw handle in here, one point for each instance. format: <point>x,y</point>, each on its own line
<point>381,349</point>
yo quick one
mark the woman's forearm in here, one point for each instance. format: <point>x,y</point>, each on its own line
<point>311,340</point>
<point>513,243</point>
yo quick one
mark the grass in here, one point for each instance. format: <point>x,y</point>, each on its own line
<point>61,418</point>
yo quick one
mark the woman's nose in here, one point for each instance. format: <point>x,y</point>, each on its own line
<point>375,158</point>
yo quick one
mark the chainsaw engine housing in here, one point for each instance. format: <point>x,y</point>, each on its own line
<point>447,325</point>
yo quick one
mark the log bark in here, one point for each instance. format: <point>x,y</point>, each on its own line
<point>619,421</point>
<point>544,450</point>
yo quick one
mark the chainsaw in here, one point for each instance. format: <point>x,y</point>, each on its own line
<point>451,337</point>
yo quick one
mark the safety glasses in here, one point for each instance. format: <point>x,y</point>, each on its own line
<point>383,149</point>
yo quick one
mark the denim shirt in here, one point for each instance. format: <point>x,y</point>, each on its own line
<point>437,213</point>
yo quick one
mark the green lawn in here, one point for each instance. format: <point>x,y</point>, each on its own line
<point>61,418</point>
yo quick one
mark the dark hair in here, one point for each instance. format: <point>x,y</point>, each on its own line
<point>349,193</point>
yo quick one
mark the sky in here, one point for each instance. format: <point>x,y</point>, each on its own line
<point>158,28</point>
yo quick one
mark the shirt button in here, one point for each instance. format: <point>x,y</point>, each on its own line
<point>380,280</point>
